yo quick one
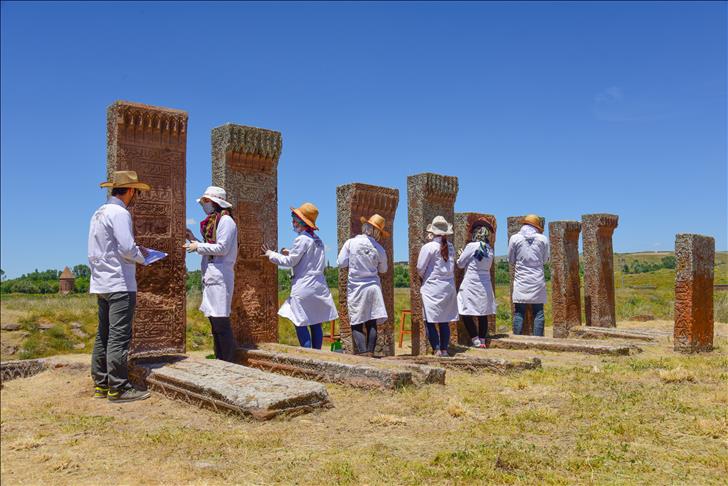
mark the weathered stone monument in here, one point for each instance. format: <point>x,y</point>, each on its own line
<point>695,258</point>
<point>66,282</point>
<point>245,164</point>
<point>354,201</point>
<point>514,226</point>
<point>428,195</point>
<point>596,230</point>
<point>153,141</point>
<point>463,221</point>
<point>565,283</point>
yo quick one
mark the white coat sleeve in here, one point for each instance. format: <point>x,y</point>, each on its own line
<point>512,250</point>
<point>342,261</point>
<point>382,264</point>
<point>124,234</point>
<point>466,256</point>
<point>547,251</point>
<point>423,260</point>
<point>294,254</point>
<point>225,235</point>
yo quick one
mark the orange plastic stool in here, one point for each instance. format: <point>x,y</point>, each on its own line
<point>402,330</point>
<point>333,336</point>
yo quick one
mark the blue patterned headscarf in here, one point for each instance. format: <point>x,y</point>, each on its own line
<point>480,235</point>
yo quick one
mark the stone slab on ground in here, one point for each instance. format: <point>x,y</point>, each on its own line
<point>592,332</point>
<point>25,368</point>
<point>564,345</point>
<point>344,369</point>
<point>230,388</point>
<point>473,364</point>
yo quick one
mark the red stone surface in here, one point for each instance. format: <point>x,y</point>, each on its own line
<point>428,195</point>
<point>597,230</point>
<point>514,226</point>
<point>463,221</point>
<point>354,201</point>
<point>565,282</point>
<point>245,164</point>
<point>695,257</point>
<point>153,141</point>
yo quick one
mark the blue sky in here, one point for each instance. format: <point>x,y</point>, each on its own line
<point>559,109</point>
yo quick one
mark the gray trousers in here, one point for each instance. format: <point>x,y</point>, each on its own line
<point>109,367</point>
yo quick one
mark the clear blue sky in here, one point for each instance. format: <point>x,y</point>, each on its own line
<point>559,109</point>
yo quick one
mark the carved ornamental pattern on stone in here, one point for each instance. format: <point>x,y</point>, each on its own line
<point>245,164</point>
<point>354,201</point>
<point>597,230</point>
<point>428,195</point>
<point>694,274</point>
<point>153,141</point>
<point>463,221</point>
<point>565,283</point>
<point>514,226</point>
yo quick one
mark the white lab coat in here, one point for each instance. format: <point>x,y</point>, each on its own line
<point>528,250</point>
<point>218,269</point>
<point>475,297</point>
<point>365,258</point>
<point>439,302</point>
<point>112,252</point>
<point>310,301</point>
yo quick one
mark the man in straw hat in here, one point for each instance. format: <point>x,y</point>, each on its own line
<point>310,303</point>
<point>113,255</point>
<point>528,251</point>
<point>366,259</point>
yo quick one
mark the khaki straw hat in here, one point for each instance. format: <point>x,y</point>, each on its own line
<point>308,213</point>
<point>378,222</point>
<point>440,227</point>
<point>533,220</point>
<point>126,178</point>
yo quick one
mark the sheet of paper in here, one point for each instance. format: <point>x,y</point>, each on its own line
<point>153,256</point>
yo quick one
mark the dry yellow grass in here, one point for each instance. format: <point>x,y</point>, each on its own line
<point>654,418</point>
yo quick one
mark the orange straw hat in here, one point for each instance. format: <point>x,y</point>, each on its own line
<point>378,222</point>
<point>125,178</point>
<point>308,213</point>
<point>533,220</point>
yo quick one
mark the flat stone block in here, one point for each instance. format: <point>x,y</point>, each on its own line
<point>230,388</point>
<point>339,368</point>
<point>473,364</point>
<point>592,332</point>
<point>564,345</point>
<point>24,368</point>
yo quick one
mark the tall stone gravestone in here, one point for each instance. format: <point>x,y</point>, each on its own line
<point>596,231</point>
<point>354,201</point>
<point>428,195</point>
<point>514,226</point>
<point>694,273</point>
<point>245,164</point>
<point>463,221</point>
<point>565,283</point>
<point>153,141</point>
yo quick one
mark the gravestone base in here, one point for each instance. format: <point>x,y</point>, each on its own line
<point>564,345</point>
<point>593,332</point>
<point>472,364</point>
<point>229,388</point>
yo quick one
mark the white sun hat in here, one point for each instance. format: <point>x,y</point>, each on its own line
<point>216,195</point>
<point>439,227</point>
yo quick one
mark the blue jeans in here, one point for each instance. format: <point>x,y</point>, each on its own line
<point>538,320</point>
<point>314,339</point>
<point>442,340</point>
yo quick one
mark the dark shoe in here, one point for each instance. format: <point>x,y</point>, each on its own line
<point>101,391</point>
<point>129,395</point>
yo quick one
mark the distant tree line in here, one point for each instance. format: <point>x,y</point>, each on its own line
<point>643,267</point>
<point>45,282</point>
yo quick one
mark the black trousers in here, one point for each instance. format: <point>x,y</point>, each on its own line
<point>482,331</point>
<point>361,343</point>
<point>223,339</point>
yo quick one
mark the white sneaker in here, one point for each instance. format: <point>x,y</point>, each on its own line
<point>437,353</point>
<point>444,354</point>
<point>476,342</point>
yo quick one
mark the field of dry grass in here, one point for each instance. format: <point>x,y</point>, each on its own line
<point>653,418</point>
